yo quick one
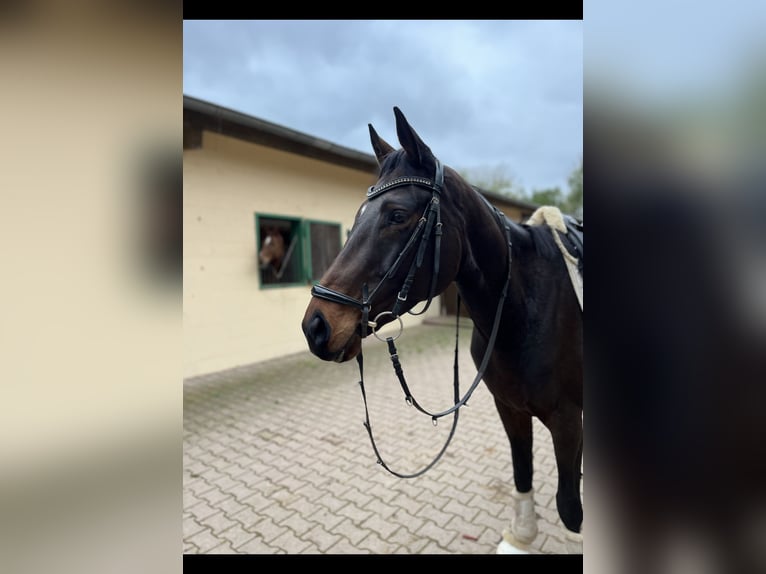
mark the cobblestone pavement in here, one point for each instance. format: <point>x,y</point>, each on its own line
<point>276,459</point>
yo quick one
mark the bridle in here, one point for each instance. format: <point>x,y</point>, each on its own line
<point>428,225</point>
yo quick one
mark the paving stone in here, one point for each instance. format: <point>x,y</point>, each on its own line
<point>278,462</point>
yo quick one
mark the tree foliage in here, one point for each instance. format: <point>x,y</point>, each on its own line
<point>574,200</point>
<point>497,179</point>
<point>500,179</point>
<point>550,196</point>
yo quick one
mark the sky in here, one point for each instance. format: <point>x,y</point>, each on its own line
<point>483,95</point>
<point>693,51</point>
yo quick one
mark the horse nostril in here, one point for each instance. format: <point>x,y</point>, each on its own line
<point>318,330</point>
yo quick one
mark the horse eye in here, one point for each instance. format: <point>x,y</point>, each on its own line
<point>397,216</point>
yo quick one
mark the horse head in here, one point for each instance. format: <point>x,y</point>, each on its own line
<point>396,230</point>
<point>272,249</point>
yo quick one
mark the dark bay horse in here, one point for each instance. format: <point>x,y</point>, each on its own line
<point>534,359</point>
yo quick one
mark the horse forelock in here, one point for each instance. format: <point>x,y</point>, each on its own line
<point>399,164</point>
<point>392,162</point>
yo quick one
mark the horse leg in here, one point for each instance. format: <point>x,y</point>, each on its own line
<point>565,426</point>
<point>518,427</point>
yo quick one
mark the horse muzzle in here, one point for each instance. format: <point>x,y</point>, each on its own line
<point>322,340</point>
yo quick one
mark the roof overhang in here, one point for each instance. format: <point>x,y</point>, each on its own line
<point>202,116</point>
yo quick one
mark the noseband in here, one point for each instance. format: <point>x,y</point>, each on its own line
<point>428,223</point>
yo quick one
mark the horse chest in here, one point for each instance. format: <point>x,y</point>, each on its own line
<point>516,379</point>
<point>526,395</point>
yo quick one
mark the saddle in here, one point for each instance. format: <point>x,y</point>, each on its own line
<point>568,234</point>
<point>573,239</point>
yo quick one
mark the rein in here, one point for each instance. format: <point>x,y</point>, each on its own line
<point>429,223</point>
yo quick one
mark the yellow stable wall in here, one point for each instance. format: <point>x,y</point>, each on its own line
<point>228,319</point>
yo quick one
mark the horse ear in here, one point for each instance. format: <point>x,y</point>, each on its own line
<point>379,145</point>
<point>411,142</point>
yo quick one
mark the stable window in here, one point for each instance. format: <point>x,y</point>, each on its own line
<point>324,239</point>
<point>293,251</point>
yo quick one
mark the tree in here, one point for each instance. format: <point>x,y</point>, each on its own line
<point>500,179</point>
<point>571,203</point>
<point>497,179</point>
<point>574,201</point>
<point>550,196</point>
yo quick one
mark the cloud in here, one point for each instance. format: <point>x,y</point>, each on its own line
<point>478,92</point>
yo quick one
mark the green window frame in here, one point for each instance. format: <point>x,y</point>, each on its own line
<point>310,247</point>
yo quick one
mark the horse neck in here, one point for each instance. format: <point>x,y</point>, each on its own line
<point>484,265</point>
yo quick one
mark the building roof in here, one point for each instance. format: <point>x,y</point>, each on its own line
<point>199,115</point>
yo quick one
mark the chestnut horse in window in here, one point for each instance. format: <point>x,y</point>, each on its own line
<point>272,254</point>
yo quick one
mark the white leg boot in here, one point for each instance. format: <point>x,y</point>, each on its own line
<point>573,541</point>
<point>523,531</point>
<point>524,525</point>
